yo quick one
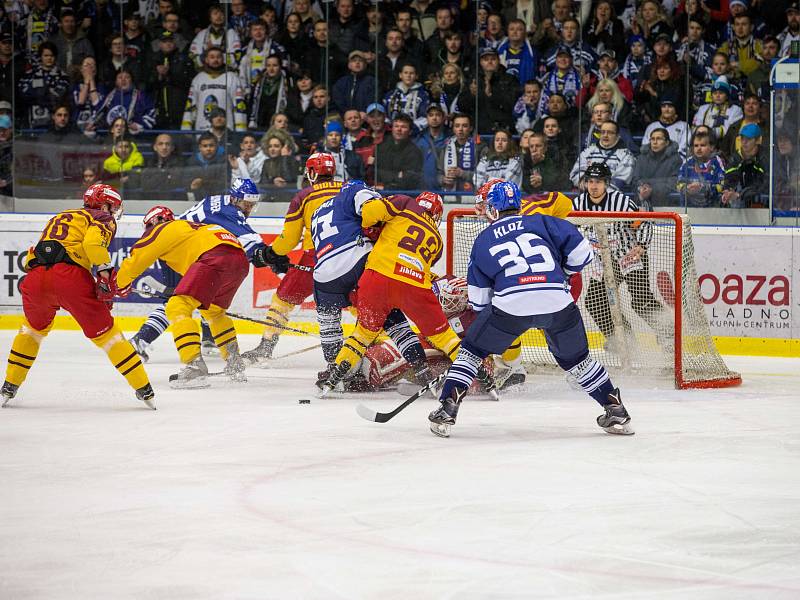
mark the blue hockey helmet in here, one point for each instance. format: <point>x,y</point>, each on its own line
<point>244,189</point>
<point>354,183</point>
<point>503,196</point>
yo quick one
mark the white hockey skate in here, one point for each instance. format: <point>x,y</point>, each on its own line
<point>141,348</point>
<point>192,376</point>
<point>235,365</point>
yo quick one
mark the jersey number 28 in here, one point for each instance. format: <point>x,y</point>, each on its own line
<point>517,255</point>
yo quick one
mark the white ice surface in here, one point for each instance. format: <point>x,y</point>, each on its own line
<point>240,492</point>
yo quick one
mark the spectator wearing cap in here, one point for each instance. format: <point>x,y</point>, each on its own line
<point>410,98</point>
<point>720,113</point>
<point>169,74</point>
<point>459,157</point>
<point>583,55</point>
<point>655,174</point>
<point>758,80</point>
<point>6,155</point>
<point>496,93</point>
<point>529,107</point>
<point>743,50</point>
<point>738,8</point>
<point>348,163</point>
<point>216,35</point>
<point>639,57</point>
<point>607,68</point>
<point>431,142</point>
<point>701,176</point>
<point>357,88</point>
<point>730,145</point>
<point>746,180</point>
<point>398,162</point>
<point>71,43</point>
<point>35,28</point>
<point>171,22</point>
<point>255,55</point>
<point>719,69</point>
<point>269,95</point>
<point>695,52</point>
<point>44,87</point>
<point>371,137</point>
<point>669,121</point>
<point>666,80</point>
<point>212,87</point>
<point>136,39</point>
<point>563,78</point>
<point>313,123</point>
<point>605,31</point>
<point>517,55</point>
<point>792,31</point>
<point>662,48</point>
<point>651,22</point>
<point>609,150</point>
<point>348,32</point>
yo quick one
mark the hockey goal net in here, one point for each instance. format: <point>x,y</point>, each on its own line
<point>641,314</point>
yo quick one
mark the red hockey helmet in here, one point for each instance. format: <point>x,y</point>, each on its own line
<point>100,195</point>
<point>320,163</point>
<point>433,205</point>
<point>480,197</point>
<point>156,215</point>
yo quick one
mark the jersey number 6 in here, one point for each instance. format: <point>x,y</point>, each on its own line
<point>519,252</point>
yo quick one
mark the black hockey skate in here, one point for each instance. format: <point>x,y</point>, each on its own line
<point>616,419</point>
<point>444,417</point>
<point>261,354</point>
<point>146,395</point>
<point>234,364</point>
<point>193,375</point>
<point>141,347</point>
<point>336,374</point>
<point>8,391</point>
<point>487,382</point>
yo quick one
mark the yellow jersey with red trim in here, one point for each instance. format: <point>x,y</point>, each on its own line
<point>554,204</point>
<point>409,243</point>
<point>85,234</point>
<point>178,243</point>
<point>297,224</point>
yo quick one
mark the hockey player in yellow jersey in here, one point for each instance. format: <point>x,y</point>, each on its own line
<point>213,265</point>
<point>59,276</point>
<point>509,370</point>
<point>298,283</point>
<point>397,274</point>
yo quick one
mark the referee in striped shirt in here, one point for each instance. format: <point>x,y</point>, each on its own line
<point>628,242</point>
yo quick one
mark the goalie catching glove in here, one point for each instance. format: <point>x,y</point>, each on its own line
<point>265,256</point>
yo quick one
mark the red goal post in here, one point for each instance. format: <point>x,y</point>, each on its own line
<point>646,316</point>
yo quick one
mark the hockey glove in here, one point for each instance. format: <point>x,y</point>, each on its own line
<point>265,256</point>
<point>106,286</point>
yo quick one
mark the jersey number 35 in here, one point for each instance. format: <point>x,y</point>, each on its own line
<point>517,256</point>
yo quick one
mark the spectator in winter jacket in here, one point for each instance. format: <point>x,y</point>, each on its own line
<point>563,78</point>
<point>610,150</point>
<point>731,146</point>
<point>746,181</point>
<point>655,173</point>
<point>720,113</point>
<point>398,161</point>
<point>638,58</point>
<point>169,74</point>
<point>431,141</point>
<point>409,98</point>
<point>607,68</point>
<point>216,35</point>
<point>453,52</point>
<point>497,92</point>
<point>163,170</point>
<point>348,163</point>
<point>124,159</point>
<point>61,130</point>
<point>567,122</point>
<point>206,171</point>
<point>369,139</point>
<point>517,55</point>
<point>700,178</point>
<point>668,119</point>
<point>270,95</point>
<point>528,107</point>
<point>323,61</point>
<point>459,157</point>
<point>71,43</point>
<point>435,41</point>
<point>357,88</point>
<point>502,160</point>
<point>541,173</point>
<point>128,102</point>
<point>278,169</point>
<point>347,31</point>
<point>44,87</point>
<point>315,115</point>
<point>87,94</point>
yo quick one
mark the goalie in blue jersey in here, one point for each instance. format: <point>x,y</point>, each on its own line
<point>517,280</point>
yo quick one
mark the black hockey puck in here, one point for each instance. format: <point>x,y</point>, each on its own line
<point>304,401</point>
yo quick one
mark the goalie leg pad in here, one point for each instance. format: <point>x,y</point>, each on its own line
<point>123,356</point>
<point>383,364</point>
<point>24,350</point>
<point>185,330</point>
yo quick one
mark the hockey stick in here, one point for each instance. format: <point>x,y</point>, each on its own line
<point>296,352</point>
<point>377,417</point>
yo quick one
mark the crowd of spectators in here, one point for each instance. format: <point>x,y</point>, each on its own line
<point>162,95</point>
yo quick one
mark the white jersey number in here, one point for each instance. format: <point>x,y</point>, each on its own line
<point>518,254</point>
<point>322,228</point>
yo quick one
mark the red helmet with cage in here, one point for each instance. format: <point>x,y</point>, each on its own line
<point>100,196</point>
<point>156,215</point>
<point>433,205</point>
<point>320,164</point>
<point>480,197</point>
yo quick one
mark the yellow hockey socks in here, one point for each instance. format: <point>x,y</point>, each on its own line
<point>24,349</point>
<point>185,330</point>
<point>123,356</point>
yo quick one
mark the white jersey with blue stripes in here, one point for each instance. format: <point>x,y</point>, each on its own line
<point>522,264</point>
<point>218,210</point>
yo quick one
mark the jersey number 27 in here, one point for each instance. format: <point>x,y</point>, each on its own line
<point>516,256</point>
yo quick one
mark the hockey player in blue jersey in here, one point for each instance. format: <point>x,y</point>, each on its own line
<point>230,211</point>
<point>342,247</point>
<point>518,280</point>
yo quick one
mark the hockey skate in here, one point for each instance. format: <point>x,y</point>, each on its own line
<point>141,347</point>
<point>336,374</point>
<point>209,348</point>
<point>261,354</point>
<point>146,395</point>
<point>193,375</point>
<point>487,382</point>
<point>235,365</point>
<point>616,419</point>
<point>507,375</point>
<point>444,417</point>
<point>8,391</point>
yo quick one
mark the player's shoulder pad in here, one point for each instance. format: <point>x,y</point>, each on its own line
<point>100,216</point>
